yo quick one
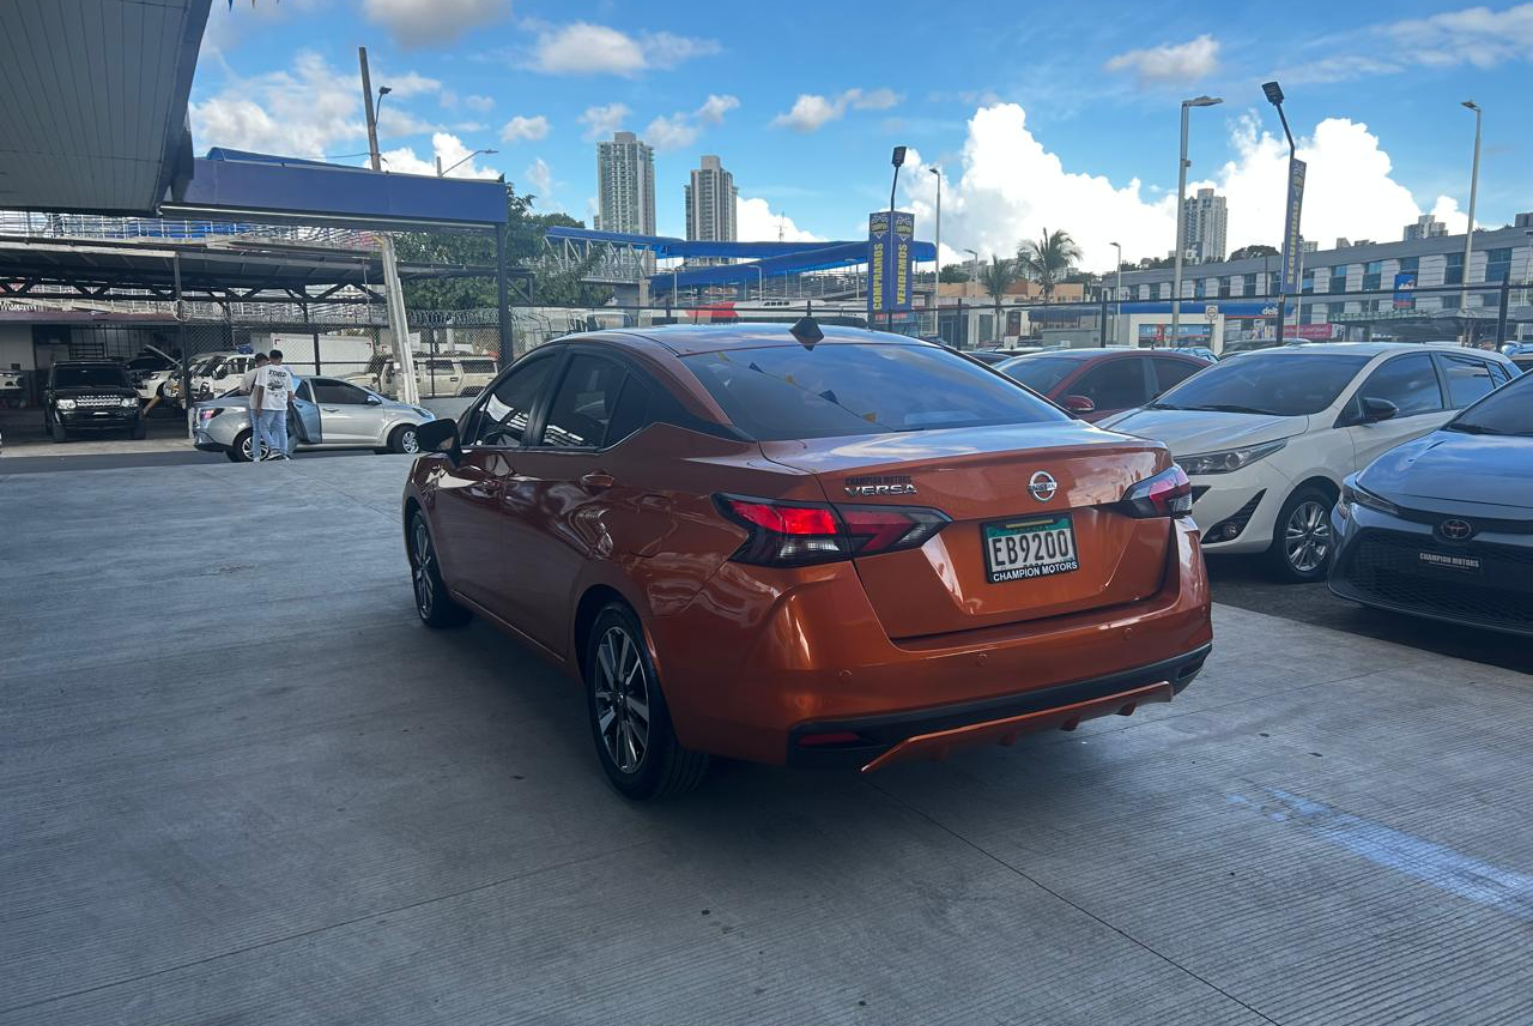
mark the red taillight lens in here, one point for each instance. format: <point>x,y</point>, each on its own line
<point>1167,494</point>
<point>800,534</point>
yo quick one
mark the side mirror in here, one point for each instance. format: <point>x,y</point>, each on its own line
<point>1375,410</point>
<point>440,436</point>
<point>1079,404</point>
<point>373,400</point>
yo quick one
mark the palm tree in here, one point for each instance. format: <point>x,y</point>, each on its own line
<point>996,279</point>
<point>1048,260</point>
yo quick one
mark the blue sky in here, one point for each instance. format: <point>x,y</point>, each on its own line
<point>1040,115</point>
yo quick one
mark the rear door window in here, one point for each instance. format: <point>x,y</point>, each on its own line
<point>585,403</point>
<point>1468,380</point>
<point>1115,385</point>
<point>836,389</point>
<point>1170,373</point>
<point>1410,382</point>
<point>339,393</point>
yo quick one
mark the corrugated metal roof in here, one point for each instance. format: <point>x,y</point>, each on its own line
<point>95,92</point>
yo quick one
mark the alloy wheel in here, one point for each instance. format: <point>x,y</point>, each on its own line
<point>421,570</point>
<point>1307,536</point>
<point>408,442</point>
<point>247,446</point>
<point>622,700</point>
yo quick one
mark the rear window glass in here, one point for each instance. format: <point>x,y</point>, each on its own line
<point>787,392</point>
<point>98,375</point>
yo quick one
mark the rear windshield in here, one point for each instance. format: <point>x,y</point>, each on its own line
<point>1282,384</point>
<point>1039,373</point>
<point>1506,411</point>
<point>788,392</point>
<point>101,375</point>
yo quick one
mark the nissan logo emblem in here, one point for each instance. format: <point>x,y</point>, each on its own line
<point>1042,486</point>
<point>1455,530</point>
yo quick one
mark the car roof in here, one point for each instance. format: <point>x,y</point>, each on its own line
<point>1369,349</point>
<point>691,339</point>
<point>1097,351</point>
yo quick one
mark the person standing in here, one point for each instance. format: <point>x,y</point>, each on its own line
<point>269,398</point>
<point>247,380</point>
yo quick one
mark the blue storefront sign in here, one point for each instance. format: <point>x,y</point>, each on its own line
<point>1292,243</point>
<point>1405,289</point>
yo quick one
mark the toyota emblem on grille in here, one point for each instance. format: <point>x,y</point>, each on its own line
<point>1042,486</point>
<point>1455,530</point>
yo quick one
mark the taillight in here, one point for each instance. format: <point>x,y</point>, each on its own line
<point>802,533</point>
<point>1167,494</point>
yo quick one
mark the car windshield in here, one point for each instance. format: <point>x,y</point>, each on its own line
<point>1506,411</point>
<point>779,393</point>
<point>1039,373</point>
<point>95,375</point>
<point>1277,384</point>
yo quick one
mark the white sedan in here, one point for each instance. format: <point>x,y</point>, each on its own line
<point>1267,439</point>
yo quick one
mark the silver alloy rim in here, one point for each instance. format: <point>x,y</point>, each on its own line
<point>622,700</point>
<point>1307,537</point>
<point>408,442</point>
<point>247,446</point>
<point>425,587</point>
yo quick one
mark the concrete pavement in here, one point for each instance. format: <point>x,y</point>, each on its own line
<point>239,783</point>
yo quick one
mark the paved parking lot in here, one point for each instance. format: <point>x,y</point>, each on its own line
<point>241,784</point>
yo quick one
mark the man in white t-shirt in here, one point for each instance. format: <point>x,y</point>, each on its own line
<point>247,380</point>
<point>269,399</point>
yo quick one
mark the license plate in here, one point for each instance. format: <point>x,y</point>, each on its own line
<point>1029,547</point>
<point>1443,561</point>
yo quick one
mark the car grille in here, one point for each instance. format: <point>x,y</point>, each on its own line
<point>1388,567</point>
<point>91,402</point>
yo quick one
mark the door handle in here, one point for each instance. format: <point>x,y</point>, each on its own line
<point>330,409</point>
<point>597,481</point>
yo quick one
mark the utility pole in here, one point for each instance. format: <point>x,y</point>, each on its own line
<point>1181,212</point>
<point>409,389</point>
<point>1117,293</point>
<point>1474,187</point>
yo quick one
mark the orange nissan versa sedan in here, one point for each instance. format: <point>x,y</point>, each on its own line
<point>801,548</point>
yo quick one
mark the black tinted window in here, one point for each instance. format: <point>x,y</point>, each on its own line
<point>1468,380</point>
<point>1410,382</point>
<point>503,418</point>
<point>1039,373</point>
<point>338,393</point>
<point>865,389</point>
<point>1285,384</point>
<point>1170,373</point>
<point>97,375</point>
<point>1506,412</point>
<point>1114,385</point>
<point>632,411</point>
<point>584,404</point>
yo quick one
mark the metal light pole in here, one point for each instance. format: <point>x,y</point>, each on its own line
<point>760,283</point>
<point>1117,294</point>
<point>1274,94</point>
<point>897,158</point>
<point>937,171</point>
<point>1181,207</point>
<point>394,300</point>
<point>1474,187</point>
<point>443,174</point>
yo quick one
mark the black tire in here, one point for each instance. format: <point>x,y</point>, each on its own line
<point>435,607</point>
<point>653,762</point>
<point>233,456</point>
<point>239,452</point>
<point>57,431</point>
<point>1301,543</point>
<point>402,439</point>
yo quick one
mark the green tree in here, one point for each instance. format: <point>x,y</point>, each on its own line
<point>953,273</point>
<point>1048,260</point>
<point>1258,250</point>
<point>996,277</point>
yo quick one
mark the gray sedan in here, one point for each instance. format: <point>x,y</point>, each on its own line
<point>325,413</point>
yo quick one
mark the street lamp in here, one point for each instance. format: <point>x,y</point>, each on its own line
<point>1474,185</point>
<point>1117,294</point>
<point>937,172</point>
<point>443,174</point>
<point>897,158</point>
<point>1274,93</point>
<point>1181,199</point>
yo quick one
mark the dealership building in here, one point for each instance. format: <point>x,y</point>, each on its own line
<point>1407,289</point>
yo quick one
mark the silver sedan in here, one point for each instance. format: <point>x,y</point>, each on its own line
<point>326,413</point>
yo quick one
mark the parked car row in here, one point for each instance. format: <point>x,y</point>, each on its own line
<point>325,413</point>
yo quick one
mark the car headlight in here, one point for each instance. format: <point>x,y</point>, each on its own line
<point>129,403</point>
<point>1353,494</point>
<point>66,404</point>
<point>1228,460</point>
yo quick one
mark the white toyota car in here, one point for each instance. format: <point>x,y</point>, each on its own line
<point>1267,438</point>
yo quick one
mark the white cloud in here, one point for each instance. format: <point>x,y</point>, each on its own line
<point>604,120</point>
<point>444,145</point>
<point>582,48</point>
<point>482,104</point>
<point>1010,187</point>
<point>811,111</point>
<point>541,179</point>
<point>416,23</point>
<point>304,112</point>
<point>520,128</point>
<point>1182,63</point>
<point>1477,36</point>
<point>403,86</point>
<point>755,222</point>
<point>396,121</point>
<point>682,129</point>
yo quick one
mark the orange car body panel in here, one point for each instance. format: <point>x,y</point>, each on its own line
<point>748,654</point>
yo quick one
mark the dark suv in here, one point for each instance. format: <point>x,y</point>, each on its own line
<point>90,395</point>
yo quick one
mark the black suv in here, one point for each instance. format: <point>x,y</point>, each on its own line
<point>90,395</point>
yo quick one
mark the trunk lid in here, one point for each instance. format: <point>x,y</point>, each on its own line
<point>979,477</point>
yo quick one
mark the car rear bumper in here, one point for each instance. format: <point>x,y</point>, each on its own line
<point>757,662</point>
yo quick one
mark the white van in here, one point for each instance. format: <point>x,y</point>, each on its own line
<point>456,374</point>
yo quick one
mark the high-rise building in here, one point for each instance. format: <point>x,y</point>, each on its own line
<point>711,203</point>
<point>1426,227</point>
<point>1204,226</point>
<point>625,182</point>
